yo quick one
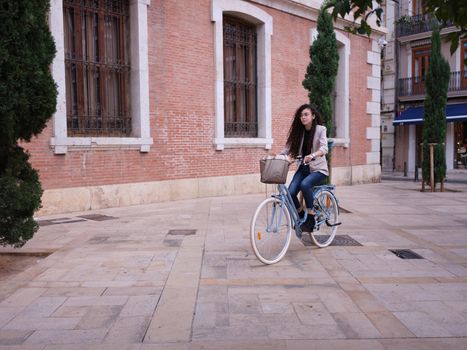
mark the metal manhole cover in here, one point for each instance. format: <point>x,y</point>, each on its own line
<point>339,240</point>
<point>97,217</point>
<point>181,232</point>
<point>405,254</point>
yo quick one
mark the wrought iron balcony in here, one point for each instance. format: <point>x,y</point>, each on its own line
<point>416,85</point>
<point>409,25</point>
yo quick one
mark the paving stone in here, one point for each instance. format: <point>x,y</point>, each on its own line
<point>121,346</point>
<point>96,301</point>
<point>318,344</point>
<point>356,325</point>
<point>133,291</point>
<point>313,314</point>
<point>99,317</point>
<point>25,322</point>
<point>105,285</point>
<point>56,291</point>
<point>22,297</point>
<point>141,305</point>
<point>88,336</point>
<point>128,330</point>
<point>388,325</point>
<point>420,324</point>
<point>13,337</point>
<point>7,314</point>
<point>42,307</point>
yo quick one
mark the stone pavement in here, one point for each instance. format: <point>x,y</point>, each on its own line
<point>182,275</point>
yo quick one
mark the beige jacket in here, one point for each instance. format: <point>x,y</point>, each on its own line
<point>320,143</point>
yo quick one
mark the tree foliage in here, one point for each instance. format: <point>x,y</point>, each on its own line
<point>27,100</point>
<point>320,77</point>
<point>361,10</point>
<point>434,127</point>
<point>447,12</point>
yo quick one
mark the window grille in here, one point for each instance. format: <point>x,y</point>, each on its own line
<point>97,67</point>
<point>240,79</point>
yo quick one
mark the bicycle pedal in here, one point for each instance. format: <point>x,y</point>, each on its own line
<point>332,225</point>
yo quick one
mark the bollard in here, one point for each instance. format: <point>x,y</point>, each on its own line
<point>405,169</point>
<point>416,174</point>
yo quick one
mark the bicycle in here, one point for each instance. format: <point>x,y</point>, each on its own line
<point>275,217</point>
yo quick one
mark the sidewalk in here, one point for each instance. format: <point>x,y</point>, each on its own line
<point>452,176</point>
<point>182,275</point>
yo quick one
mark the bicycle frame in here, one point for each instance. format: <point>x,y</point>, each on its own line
<point>317,206</point>
<point>286,199</point>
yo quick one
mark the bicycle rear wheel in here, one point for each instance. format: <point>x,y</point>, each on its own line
<point>270,231</point>
<point>327,216</point>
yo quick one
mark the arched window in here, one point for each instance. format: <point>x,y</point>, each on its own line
<point>243,108</point>
<point>240,79</point>
<point>97,99</point>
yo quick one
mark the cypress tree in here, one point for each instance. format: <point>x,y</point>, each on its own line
<point>434,126</point>
<point>320,77</point>
<point>27,100</point>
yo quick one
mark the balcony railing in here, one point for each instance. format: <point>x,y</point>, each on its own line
<point>416,85</point>
<point>409,25</point>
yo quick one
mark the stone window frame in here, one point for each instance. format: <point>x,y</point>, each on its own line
<point>263,22</point>
<point>342,101</point>
<point>139,86</point>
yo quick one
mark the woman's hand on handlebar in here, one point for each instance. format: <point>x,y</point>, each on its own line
<point>309,158</point>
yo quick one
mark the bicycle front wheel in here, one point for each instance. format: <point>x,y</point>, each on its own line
<point>270,231</point>
<point>326,220</point>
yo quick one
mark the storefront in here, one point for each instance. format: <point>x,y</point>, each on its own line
<point>460,137</point>
<point>409,136</point>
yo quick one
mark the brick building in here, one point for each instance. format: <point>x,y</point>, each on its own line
<point>406,60</point>
<point>162,100</point>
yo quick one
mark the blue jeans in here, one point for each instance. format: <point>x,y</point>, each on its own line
<point>304,180</point>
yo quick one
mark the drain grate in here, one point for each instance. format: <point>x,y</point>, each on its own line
<point>181,232</point>
<point>405,254</point>
<point>82,218</point>
<point>58,221</point>
<point>97,217</point>
<point>339,240</point>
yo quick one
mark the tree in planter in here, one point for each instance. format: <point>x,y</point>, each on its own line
<point>27,100</point>
<point>434,126</point>
<point>320,77</point>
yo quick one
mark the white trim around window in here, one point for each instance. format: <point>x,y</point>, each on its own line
<point>263,22</point>
<point>139,86</point>
<point>342,103</point>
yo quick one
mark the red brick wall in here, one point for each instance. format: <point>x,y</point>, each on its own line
<point>181,92</point>
<point>360,70</point>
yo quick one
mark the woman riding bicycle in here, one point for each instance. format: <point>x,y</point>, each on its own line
<point>307,139</point>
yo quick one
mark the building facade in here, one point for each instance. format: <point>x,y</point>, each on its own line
<point>163,100</point>
<point>404,93</point>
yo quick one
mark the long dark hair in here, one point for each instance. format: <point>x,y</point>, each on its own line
<point>297,129</point>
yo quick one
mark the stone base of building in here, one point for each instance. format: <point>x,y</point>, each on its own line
<point>357,174</point>
<point>64,200</point>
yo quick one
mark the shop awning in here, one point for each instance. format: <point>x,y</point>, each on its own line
<point>414,115</point>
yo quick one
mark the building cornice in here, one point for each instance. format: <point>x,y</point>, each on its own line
<point>309,9</point>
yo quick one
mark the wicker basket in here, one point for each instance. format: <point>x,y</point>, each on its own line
<point>274,169</point>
